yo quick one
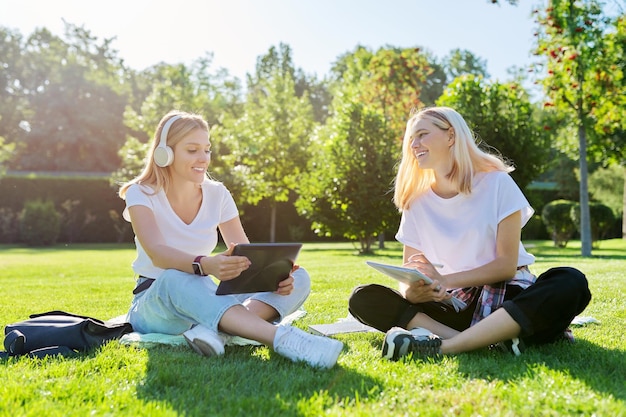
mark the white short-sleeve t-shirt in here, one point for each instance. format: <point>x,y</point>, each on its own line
<point>198,237</point>
<point>460,232</point>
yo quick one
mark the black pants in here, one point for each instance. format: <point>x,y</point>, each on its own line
<point>544,310</point>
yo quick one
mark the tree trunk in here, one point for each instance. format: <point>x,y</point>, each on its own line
<point>273,222</point>
<point>624,207</point>
<point>585,221</point>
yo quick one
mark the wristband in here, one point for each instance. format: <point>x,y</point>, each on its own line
<point>197,266</point>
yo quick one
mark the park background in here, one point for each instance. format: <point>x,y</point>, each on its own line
<point>307,156</point>
<point>316,152</point>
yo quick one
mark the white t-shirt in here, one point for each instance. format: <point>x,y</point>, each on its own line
<point>199,237</point>
<point>460,232</point>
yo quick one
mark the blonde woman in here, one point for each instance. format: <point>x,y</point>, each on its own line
<point>176,210</point>
<point>461,209</point>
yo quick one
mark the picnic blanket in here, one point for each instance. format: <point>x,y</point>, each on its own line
<point>151,339</point>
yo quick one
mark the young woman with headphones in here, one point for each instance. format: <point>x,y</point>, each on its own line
<point>176,211</point>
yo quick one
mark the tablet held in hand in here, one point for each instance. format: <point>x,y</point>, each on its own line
<point>270,264</point>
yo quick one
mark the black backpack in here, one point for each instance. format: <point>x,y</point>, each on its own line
<point>59,333</point>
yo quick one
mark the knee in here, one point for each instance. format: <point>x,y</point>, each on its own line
<point>362,296</point>
<point>302,280</point>
<point>572,276</point>
<point>573,280</point>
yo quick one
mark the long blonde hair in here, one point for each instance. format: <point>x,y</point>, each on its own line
<point>157,177</point>
<point>466,157</point>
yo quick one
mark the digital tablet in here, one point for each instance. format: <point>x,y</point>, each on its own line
<point>270,264</point>
<point>408,275</point>
<point>402,274</point>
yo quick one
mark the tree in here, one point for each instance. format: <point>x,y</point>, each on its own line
<point>463,62</point>
<point>606,185</point>
<point>611,112</point>
<point>267,146</point>
<point>389,81</point>
<point>12,101</point>
<point>503,118</point>
<point>348,191</point>
<point>5,154</point>
<point>71,101</point>
<point>195,88</point>
<point>579,78</point>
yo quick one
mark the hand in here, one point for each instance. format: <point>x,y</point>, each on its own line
<point>420,292</point>
<point>419,262</point>
<point>225,266</point>
<point>285,287</point>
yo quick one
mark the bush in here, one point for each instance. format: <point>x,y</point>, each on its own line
<point>556,216</point>
<point>601,218</point>
<point>535,229</point>
<point>40,224</point>
<point>9,225</point>
<point>83,202</point>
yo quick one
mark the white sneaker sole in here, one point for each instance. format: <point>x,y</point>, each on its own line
<point>201,347</point>
<point>195,340</point>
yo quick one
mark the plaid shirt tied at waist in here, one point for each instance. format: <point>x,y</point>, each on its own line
<point>491,296</point>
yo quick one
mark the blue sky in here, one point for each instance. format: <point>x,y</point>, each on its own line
<point>237,32</point>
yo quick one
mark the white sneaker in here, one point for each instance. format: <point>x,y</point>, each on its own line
<point>420,331</point>
<point>204,341</point>
<point>298,345</point>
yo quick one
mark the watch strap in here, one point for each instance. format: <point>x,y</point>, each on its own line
<point>197,266</point>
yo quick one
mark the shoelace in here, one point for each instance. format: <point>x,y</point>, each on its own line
<point>294,342</point>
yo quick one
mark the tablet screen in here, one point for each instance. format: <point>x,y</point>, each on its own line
<point>270,264</point>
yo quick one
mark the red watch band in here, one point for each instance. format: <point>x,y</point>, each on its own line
<point>197,266</point>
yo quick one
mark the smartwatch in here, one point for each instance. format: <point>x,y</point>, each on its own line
<point>197,266</point>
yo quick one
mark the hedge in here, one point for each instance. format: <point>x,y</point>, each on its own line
<point>85,205</point>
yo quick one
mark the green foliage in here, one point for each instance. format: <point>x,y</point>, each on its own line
<point>267,147</point>
<point>70,99</point>
<point>9,225</point>
<point>602,220</point>
<point>503,118</point>
<point>556,216</point>
<point>584,378</point>
<point>5,153</point>
<point>463,62</point>
<point>40,223</point>
<point>535,229</point>
<point>87,201</point>
<point>606,185</point>
<point>389,81</point>
<point>583,73</point>
<point>348,190</point>
<point>133,157</point>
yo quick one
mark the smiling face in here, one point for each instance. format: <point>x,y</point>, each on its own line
<point>192,155</point>
<point>431,145</point>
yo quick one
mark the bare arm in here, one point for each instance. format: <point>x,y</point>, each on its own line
<point>232,232</point>
<point>168,257</point>
<point>503,267</point>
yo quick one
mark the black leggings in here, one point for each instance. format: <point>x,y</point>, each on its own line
<point>544,310</point>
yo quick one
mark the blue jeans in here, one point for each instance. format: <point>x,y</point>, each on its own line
<point>177,300</point>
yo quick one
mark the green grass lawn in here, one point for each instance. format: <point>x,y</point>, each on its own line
<point>586,378</point>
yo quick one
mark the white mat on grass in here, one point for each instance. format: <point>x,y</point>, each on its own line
<point>147,339</point>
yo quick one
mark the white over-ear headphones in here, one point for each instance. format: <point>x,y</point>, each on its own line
<point>163,154</point>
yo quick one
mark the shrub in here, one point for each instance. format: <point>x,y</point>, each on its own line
<point>534,229</point>
<point>601,218</point>
<point>556,216</point>
<point>9,225</point>
<point>40,223</point>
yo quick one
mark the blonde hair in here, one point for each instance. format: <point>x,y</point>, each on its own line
<point>466,157</point>
<point>157,177</point>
